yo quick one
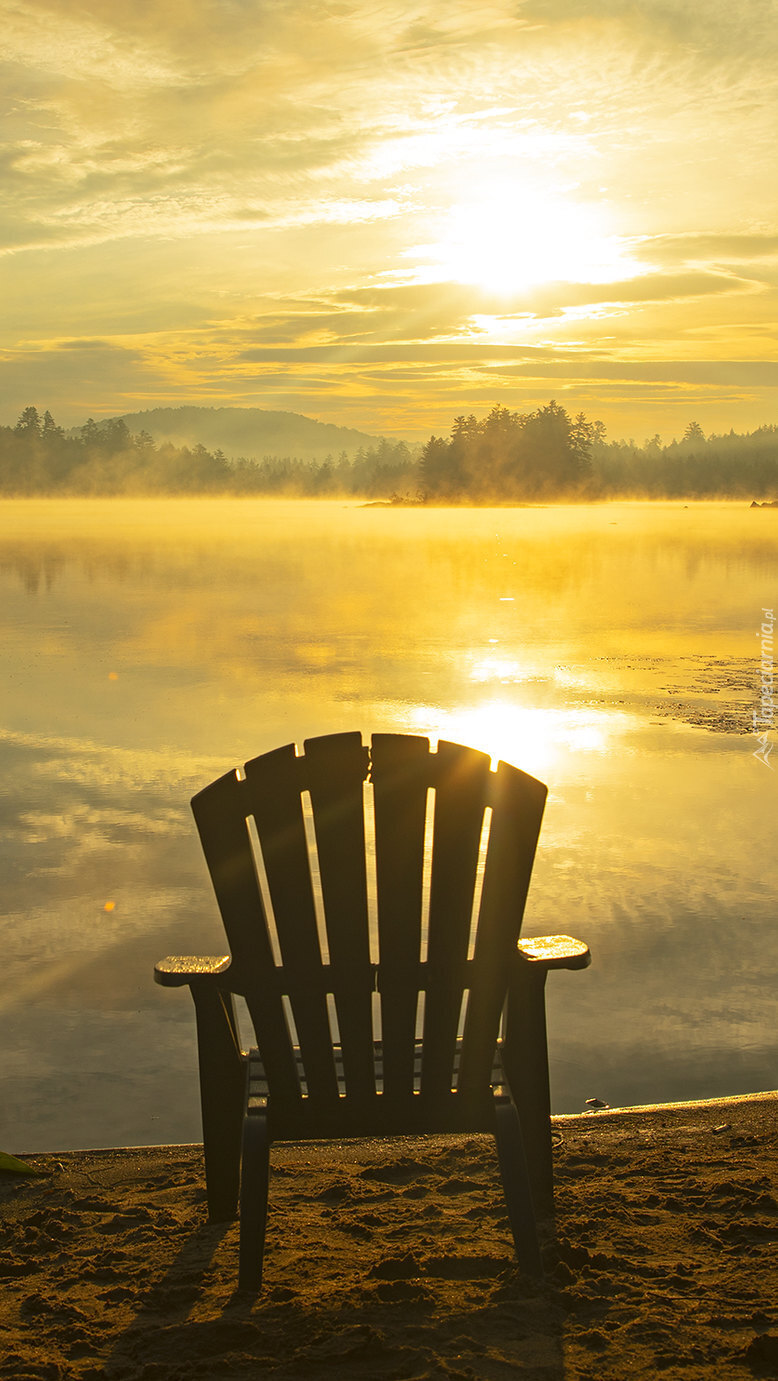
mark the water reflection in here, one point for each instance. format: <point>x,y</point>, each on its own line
<point>534,737</point>
<point>610,651</point>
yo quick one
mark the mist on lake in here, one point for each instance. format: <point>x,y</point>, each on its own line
<point>612,650</point>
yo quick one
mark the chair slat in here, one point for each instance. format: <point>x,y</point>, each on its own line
<point>336,768</point>
<point>273,797</point>
<point>221,824</point>
<point>400,774</point>
<point>517,810</point>
<point>461,779</point>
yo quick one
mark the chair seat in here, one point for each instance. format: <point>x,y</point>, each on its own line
<point>261,1087</point>
<point>311,1117</point>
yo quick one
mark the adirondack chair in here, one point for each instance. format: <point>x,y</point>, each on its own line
<point>387,986</point>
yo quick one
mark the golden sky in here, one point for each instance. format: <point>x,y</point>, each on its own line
<point>386,214</point>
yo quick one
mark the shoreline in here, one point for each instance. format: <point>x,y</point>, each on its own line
<point>392,1259</point>
<point>601,1114</point>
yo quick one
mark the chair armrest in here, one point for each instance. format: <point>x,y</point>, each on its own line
<point>179,969</point>
<point>555,952</point>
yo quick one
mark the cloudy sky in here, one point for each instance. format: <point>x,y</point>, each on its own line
<point>384,214</point>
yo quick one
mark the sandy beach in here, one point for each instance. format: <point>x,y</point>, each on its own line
<point>393,1259</point>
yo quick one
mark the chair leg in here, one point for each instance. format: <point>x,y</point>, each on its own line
<point>255,1167</point>
<point>525,1061</point>
<point>515,1181</point>
<point>222,1092</point>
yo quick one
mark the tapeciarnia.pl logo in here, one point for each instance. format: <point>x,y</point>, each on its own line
<point>764,716</point>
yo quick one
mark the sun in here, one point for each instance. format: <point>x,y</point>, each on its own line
<point>503,238</point>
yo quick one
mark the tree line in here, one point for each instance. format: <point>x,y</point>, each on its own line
<point>504,457</point>
<point>547,454</point>
<point>508,456</point>
<point>38,457</point>
<point>730,465</point>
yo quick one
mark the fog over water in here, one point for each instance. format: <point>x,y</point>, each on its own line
<point>611,650</point>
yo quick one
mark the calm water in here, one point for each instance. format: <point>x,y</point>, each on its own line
<point>611,651</point>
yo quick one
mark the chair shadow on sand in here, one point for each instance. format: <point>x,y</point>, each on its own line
<point>385,1257</point>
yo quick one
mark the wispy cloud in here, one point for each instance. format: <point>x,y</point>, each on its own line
<point>194,186</point>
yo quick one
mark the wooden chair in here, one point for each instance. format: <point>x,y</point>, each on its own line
<point>384,976</point>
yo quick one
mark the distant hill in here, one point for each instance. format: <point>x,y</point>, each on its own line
<point>249,432</point>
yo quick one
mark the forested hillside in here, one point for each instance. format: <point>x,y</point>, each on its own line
<point>250,432</point>
<point>38,457</point>
<point>505,457</point>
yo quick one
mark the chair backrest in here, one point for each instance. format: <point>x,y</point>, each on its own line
<point>372,898</point>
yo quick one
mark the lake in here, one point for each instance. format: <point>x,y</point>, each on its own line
<point>611,650</point>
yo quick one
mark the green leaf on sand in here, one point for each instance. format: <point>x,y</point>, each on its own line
<point>16,1167</point>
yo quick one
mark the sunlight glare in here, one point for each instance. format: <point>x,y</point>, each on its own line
<point>507,237</point>
<point>530,737</point>
<point>495,668</point>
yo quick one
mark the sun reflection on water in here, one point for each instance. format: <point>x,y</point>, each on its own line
<point>496,668</point>
<point>532,738</point>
